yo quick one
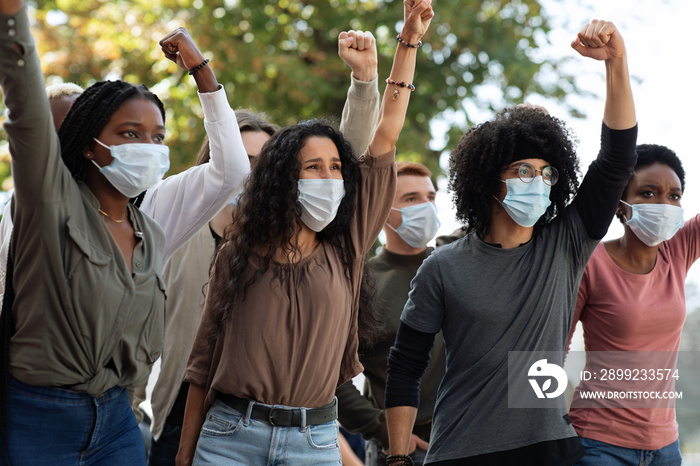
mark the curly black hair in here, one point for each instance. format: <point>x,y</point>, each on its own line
<point>486,149</point>
<point>88,116</point>
<point>268,216</point>
<point>649,154</point>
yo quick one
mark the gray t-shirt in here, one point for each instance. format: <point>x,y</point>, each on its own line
<point>489,301</point>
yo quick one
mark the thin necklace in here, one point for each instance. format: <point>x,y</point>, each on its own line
<point>107,215</point>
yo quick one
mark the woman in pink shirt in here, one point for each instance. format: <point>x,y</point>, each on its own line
<point>632,299</point>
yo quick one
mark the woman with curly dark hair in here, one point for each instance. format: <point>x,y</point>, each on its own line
<point>510,284</point>
<point>280,328</point>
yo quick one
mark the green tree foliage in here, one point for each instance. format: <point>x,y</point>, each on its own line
<point>280,57</point>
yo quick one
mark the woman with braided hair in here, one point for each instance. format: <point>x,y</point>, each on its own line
<point>74,352</point>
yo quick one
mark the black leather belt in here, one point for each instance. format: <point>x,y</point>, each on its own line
<point>284,417</point>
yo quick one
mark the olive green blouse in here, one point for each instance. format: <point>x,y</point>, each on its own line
<point>83,320</point>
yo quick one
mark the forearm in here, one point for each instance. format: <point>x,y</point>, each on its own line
<point>195,412</point>
<point>395,101</point>
<point>400,420</point>
<point>358,415</point>
<point>407,362</point>
<point>360,113</point>
<point>619,103</point>
<point>33,143</point>
<point>206,79</point>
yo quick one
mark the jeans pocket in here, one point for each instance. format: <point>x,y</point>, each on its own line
<point>218,423</point>
<point>323,436</point>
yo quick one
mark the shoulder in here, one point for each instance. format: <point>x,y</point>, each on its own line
<point>453,243</point>
<point>445,257</point>
<point>451,238</point>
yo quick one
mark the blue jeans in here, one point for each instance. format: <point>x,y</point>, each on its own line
<point>62,427</point>
<point>232,438</point>
<point>605,454</point>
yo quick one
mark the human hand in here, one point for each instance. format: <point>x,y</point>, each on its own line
<point>183,460</point>
<point>179,47</point>
<point>417,15</point>
<point>11,7</point>
<point>417,442</point>
<point>359,51</point>
<point>599,40</point>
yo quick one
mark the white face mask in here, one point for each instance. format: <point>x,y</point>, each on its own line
<point>526,202</point>
<point>320,200</point>
<point>419,224</point>
<point>654,223</point>
<point>136,167</point>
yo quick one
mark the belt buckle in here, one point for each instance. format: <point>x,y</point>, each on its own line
<point>269,416</point>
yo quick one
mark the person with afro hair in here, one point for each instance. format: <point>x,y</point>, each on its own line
<point>509,285</point>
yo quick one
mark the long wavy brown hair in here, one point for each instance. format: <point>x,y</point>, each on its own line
<point>268,218</point>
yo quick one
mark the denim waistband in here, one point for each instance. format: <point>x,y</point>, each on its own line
<point>62,395</point>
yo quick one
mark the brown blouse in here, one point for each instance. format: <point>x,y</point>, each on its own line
<point>293,340</point>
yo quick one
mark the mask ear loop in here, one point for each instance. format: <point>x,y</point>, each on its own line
<point>387,220</point>
<point>102,143</point>
<point>624,217</point>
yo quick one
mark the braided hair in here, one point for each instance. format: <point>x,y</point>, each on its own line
<point>89,115</point>
<point>85,120</point>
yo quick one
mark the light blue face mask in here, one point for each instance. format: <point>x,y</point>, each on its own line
<point>135,167</point>
<point>320,200</point>
<point>526,202</point>
<point>654,223</point>
<point>419,224</point>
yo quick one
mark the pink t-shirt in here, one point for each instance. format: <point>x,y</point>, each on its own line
<point>622,311</point>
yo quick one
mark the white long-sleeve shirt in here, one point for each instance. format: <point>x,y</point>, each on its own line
<point>183,203</point>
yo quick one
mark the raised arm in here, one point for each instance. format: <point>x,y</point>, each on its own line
<point>361,111</point>
<point>608,175</point>
<point>185,202</point>
<point>601,40</point>
<point>37,168</point>
<point>417,16</point>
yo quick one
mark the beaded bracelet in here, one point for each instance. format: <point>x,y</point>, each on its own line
<point>399,460</point>
<point>412,46</point>
<point>202,65</point>
<point>397,85</point>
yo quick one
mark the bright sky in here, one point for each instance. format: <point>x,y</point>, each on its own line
<point>663,63</point>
